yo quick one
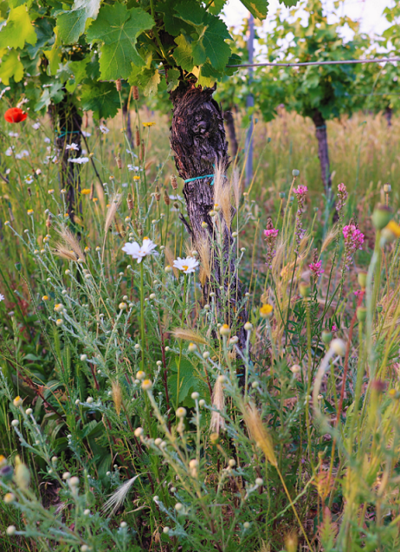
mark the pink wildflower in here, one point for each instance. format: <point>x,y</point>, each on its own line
<point>342,197</point>
<point>334,328</point>
<point>271,235</point>
<point>359,292</point>
<point>301,193</point>
<point>353,240</point>
<point>316,269</point>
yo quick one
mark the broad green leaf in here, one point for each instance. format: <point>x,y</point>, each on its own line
<point>183,54</point>
<point>118,28</point>
<point>216,6</point>
<point>213,40</point>
<point>11,66</point>
<point>258,8</point>
<point>173,79</point>
<point>45,35</point>
<point>53,94</point>
<point>191,12</point>
<point>78,69</point>
<point>54,55</point>
<point>72,23</point>
<point>101,98</point>
<point>18,29</point>
<point>173,24</point>
<point>289,3</point>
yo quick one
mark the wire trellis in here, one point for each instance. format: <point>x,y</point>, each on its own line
<point>307,63</point>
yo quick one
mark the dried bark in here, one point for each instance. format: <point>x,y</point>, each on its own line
<point>199,143</point>
<point>389,115</point>
<point>323,152</point>
<point>69,127</point>
<point>230,125</point>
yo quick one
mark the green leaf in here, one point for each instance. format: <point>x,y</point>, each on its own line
<point>213,41</point>
<point>173,79</point>
<point>101,98</point>
<point>118,28</point>
<point>258,8</point>
<point>45,35</point>
<point>11,66</point>
<point>289,3</point>
<point>183,54</point>
<point>54,55</point>
<point>53,94</point>
<point>78,69</point>
<point>18,29</point>
<point>216,6</point>
<point>191,12</point>
<point>72,23</point>
<point>189,381</point>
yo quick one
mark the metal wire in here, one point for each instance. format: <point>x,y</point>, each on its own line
<point>306,63</point>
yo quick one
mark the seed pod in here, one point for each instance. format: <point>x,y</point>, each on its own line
<point>130,202</point>
<point>118,85</point>
<point>91,192</point>
<point>48,221</point>
<point>118,161</point>
<point>157,194</point>
<point>174,182</point>
<point>137,137</point>
<point>29,191</point>
<point>135,93</point>
<point>167,201</point>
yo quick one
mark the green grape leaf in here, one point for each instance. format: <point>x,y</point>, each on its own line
<point>72,23</point>
<point>258,8</point>
<point>18,29</point>
<point>173,24</point>
<point>183,54</point>
<point>102,98</point>
<point>213,41</point>
<point>289,3</point>
<point>78,70</point>
<point>191,12</point>
<point>216,6</point>
<point>52,94</point>
<point>54,55</point>
<point>173,79</point>
<point>11,66</point>
<point>118,28</point>
<point>45,35</point>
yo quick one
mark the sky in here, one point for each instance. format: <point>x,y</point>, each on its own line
<point>368,12</point>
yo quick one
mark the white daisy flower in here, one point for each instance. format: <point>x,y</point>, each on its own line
<point>13,134</point>
<point>9,151</point>
<point>29,180</point>
<point>104,129</point>
<point>187,265</point>
<point>139,252</point>
<point>85,134</point>
<point>131,153</point>
<point>79,160</point>
<point>2,297</point>
<point>36,126</point>
<point>72,146</point>
<point>134,168</point>
<point>47,140</point>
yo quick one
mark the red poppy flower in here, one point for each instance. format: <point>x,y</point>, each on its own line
<point>15,115</point>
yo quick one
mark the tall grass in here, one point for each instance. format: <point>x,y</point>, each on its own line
<point>123,422</point>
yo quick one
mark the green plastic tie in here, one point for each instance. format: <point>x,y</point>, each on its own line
<point>200,177</point>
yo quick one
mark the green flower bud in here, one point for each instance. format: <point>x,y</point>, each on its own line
<point>381,216</point>
<point>362,279</point>
<point>361,314</point>
<point>295,172</point>
<point>326,337</point>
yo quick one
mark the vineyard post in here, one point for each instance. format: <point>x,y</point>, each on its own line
<point>250,104</point>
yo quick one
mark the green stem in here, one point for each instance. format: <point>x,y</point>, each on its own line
<point>142,313</point>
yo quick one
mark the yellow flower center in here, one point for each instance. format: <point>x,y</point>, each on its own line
<point>146,238</point>
<point>185,267</point>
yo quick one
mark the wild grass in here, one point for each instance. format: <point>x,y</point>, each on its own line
<point>130,419</point>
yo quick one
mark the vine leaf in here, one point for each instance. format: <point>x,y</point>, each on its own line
<point>257,8</point>
<point>11,67</point>
<point>72,23</point>
<point>102,98</point>
<point>117,28</point>
<point>18,29</point>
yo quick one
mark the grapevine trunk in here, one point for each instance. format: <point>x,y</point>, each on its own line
<point>199,143</point>
<point>323,151</point>
<point>69,132</point>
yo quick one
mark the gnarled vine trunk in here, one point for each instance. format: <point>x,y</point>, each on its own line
<point>199,143</point>
<point>323,152</point>
<point>389,115</point>
<point>69,122</point>
<point>230,125</point>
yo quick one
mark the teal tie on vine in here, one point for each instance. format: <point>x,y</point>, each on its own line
<point>200,177</point>
<point>68,132</point>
